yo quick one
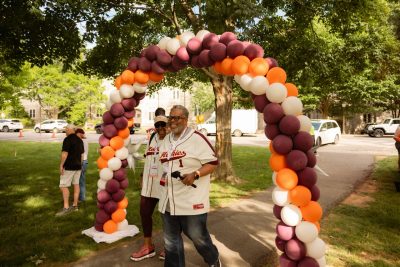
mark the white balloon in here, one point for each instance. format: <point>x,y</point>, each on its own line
<point>276,93</point>
<point>115,97</point>
<point>126,91</point>
<point>122,153</point>
<point>237,78</point>
<point>108,104</point>
<point>292,106</point>
<point>321,261</point>
<point>291,215</point>
<point>114,163</point>
<point>101,184</point>
<point>173,45</point>
<point>106,174</point>
<point>280,196</point>
<point>274,174</point>
<point>139,88</point>
<point>162,44</point>
<point>316,249</point>
<point>259,85</point>
<point>185,37</point>
<point>245,82</point>
<point>122,225</point>
<point>306,232</point>
<point>200,35</point>
<point>305,123</point>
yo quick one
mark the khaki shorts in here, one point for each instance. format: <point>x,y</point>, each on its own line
<point>68,177</point>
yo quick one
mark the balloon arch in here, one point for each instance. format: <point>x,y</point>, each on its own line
<point>292,159</point>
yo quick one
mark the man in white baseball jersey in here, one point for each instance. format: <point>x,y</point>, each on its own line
<point>184,201</point>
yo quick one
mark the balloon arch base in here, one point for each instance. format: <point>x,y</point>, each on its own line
<point>128,231</point>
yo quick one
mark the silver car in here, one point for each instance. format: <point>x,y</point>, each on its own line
<point>51,126</point>
<point>8,125</point>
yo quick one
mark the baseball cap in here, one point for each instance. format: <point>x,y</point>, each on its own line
<point>160,119</point>
<point>80,130</point>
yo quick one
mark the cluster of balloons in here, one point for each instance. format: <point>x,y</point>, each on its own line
<point>295,195</point>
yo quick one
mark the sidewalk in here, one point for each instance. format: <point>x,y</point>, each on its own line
<point>244,231</point>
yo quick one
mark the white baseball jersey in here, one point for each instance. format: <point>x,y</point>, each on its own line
<point>152,169</point>
<point>186,155</point>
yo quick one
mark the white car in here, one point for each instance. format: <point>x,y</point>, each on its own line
<point>326,132</point>
<point>8,125</point>
<point>50,126</point>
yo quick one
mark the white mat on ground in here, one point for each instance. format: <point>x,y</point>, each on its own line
<point>130,230</point>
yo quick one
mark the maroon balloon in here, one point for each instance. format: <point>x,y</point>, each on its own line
<point>120,174</point>
<point>204,58</point>
<point>129,104</point>
<point>121,123</point>
<point>253,50</point>
<point>295,249</point>
<point>227,37</point>
<point>284,231</point>
<point>284,261</point>
<point>144,64</point>
<point>139,96</point>
<point>103,196</point>
<point>102,216</point>
<point>143,52</point>
<point>194,62</point>
<point>218,52</point>
<point>124,184</point>
<point>271,131</point>
<point>277,211</point>
<point>119,195</point>
<point>280,244</point>
<point>271,62</point>
<point>183,54</point>
<point>260,101</point>
<point>209,40</point>
<point>157,68</point>
<point>163,58</point>
<point>151,52</point>
<point>289,125</point>
<point>133,64</point>
<point>177,64</point>
<point>312,159</point>
<point>273,113</point>
<point>315,193</point>
<point>308,262</point>
<point>112,186</point>
<point>124,163</point>
<point>104,141</point>
<point>110,206</point>
<point>246,44</point>
<point>108,118</point>
<point>282,144</point>
<point>117,110</point>
<point>129,114</point>
<point>235,48</point>
<point>307,177</point>
<point>194,46</point>
<point>296,160</point>
<point>110,131</point>
<point>99,227</point>
<point>303,141</point>
<point>100,205</point>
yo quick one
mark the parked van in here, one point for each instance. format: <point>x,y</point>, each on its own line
<point>244,121</point>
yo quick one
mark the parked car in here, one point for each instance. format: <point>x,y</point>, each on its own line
<point>50,126</point>
<point>365,129</point>
<point>99,129</point>
<point>8,125</point>
<point>388,126</point>
<point>326,131</point>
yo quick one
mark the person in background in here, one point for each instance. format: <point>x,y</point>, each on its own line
<point>396,137</point>
<point>82,180</point>
<point>70,168</point>
<point>150,193</point>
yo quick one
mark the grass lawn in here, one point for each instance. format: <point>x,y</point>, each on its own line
<point>30,197</point>
<point>365,229</point>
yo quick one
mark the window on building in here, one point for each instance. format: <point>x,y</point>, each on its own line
<point>32,113</point>
<point>175,94</point>
<point>151,116</point>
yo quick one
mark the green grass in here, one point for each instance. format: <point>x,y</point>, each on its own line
<point>30,197</point>
<point>369,235</point>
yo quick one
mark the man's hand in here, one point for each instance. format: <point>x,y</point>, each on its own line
<point>188,179</point>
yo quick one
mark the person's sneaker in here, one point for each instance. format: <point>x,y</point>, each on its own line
<point>161,256</point>
<point>63,212</point>
<point>143,253</point>
<point>217,263</point>
<point>74,208</point>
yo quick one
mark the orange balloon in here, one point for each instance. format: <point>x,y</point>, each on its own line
<point>116,142</point>
<point>258,66</point>
<point>291,89</point>
<point>271,148</point>
<point>130,122</point>
<point>141,77</point>
<point>124,133</point>
<point>118,215</point>
<point>218,67</point>
<point>300,196</point>
<point>127,77</point>
<point>287,179</point>
<point>102,163</point>
<point>240,65</point>
<point>155,77</point>
<point>226,66</point>
<point>123,203</point>
<point>110,227</point>
<point>117,82</point>
<point>107,152</point>
<point>277,162</point>
<point>311,212</point>
<point>276,75</point>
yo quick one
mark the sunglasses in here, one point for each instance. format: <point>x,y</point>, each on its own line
<point>175,118</point>
<point>160,125</point>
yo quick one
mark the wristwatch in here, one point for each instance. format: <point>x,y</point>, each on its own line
<point>197,175</point>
